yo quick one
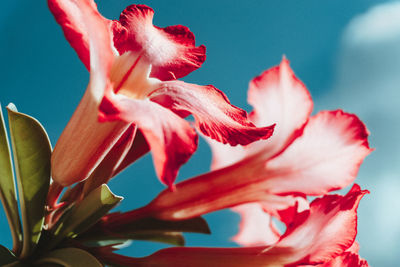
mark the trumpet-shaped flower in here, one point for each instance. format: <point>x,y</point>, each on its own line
<point>133,66</point>
<point>306,156</point>
<point>320,236</point>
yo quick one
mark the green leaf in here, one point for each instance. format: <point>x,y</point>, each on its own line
<point>8,194</point>
<point>194,225</point>
<point>150,229</point>
<point>115,240</point>
<point>6,256</point>
<point>32,151</point>
<point>172,238</point>
<point>70,257</point>
<point>86,213</point>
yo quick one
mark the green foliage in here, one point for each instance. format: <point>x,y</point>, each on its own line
<point>150,229</point>
<point>86,213</point>
<point>69,257</point>
<point>32,152</point>
<point>8,193</point>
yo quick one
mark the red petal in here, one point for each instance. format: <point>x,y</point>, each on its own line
<point>278,96</point>
<point>171,50</point>
<point>224,188</point>
<point>119,151</point>
<point>215,116</point>
<point>324,232</point>
<point>347,259</point>
<point>84,142</point>
<point>103,173</point>
<point>139,148</point>
<point>78,19</point>
<point>326,157</point>
<point>285,208</point>
<point>171,139</point>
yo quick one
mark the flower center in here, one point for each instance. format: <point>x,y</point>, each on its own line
<point>130,76</point>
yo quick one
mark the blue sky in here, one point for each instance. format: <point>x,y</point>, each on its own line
<point>41,74</point>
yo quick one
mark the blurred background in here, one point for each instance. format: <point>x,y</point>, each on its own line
<point>346,52</point>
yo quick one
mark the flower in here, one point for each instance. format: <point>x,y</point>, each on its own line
<point>322,235</point>
<point>133,66</point>
<point>305,156</point>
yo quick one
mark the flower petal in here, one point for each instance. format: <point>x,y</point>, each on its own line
<point>224,155</point>
<point>215,116</point>
<point>139,148</point>
<point>74,17</point>
<point>171,50</point>
<point>278,96</point>
<point>326,157</point>
<point>256,226</point>
<point>223,188</point>
<point>89,33</point>
<point>288,208</point>
<point>347,259</point>
<point>324,232</point>
<point>171,139</point>
<point>84,142</point>
<point>105,170</point>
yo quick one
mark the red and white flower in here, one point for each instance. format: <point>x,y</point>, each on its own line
<point>133,66</point>
<point>323,235</point>
<point>305,156</point>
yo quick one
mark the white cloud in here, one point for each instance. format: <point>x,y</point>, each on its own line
<point>368,83</point>
<point>380,24</point>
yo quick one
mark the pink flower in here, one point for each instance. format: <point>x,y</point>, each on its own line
<point>323,235</point>
<point>133,66</point>
<point>305,156</point>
